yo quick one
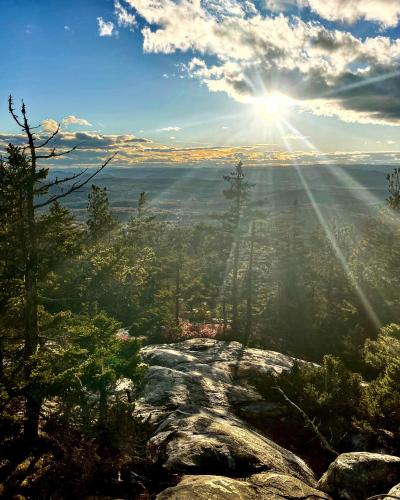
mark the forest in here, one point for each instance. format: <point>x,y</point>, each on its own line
<point>80,299</point>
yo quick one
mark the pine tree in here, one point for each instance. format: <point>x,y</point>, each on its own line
<point>24,178</point>
<point>237,194</point>
<point>100,218</point>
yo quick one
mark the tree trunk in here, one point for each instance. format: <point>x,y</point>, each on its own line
<point>235,288</point>
<point>249,298</point>
<point>177,293</point>
<point>102,406</point>
<point>33,403</point>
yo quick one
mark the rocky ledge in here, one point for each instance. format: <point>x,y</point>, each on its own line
<point>196,395</point>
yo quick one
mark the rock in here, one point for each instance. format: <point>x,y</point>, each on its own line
<point>270,486</point>
<point>395,491</point>
<point>192,394</point>
<point>277,486</point>
<point>358,475</point>
<point>210,442</point>
<point>200,372</point>
<point>207,487</point>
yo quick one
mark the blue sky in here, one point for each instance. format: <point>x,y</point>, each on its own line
<point>186,74</point>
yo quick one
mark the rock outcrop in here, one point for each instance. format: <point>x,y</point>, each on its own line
<point>193,393</point>
<point>198,395</point>
<point>394,492</point>
<point>270,485</point>
<point>358,475</point>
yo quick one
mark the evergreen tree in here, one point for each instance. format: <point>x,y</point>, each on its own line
<point>24,177</point>
<point>100,218</point>
<point>237,194</point>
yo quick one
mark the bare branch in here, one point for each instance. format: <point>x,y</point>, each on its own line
<point>57,182</point>
<point>76,185</point>
<point>13,113</point>
<point>309,423</point>
<point>37,146</point>
<point>53,153</point>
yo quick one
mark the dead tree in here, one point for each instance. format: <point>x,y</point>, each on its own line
<point>309,423</point>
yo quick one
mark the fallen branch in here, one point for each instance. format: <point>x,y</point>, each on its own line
<point>309,423</point>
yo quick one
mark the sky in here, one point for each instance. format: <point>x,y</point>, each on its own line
<point>191,81</point>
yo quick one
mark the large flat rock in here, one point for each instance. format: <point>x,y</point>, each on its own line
<point>192,393</point>
<point>204,372</point>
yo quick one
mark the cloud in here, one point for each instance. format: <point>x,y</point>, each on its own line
<point>385,12</point>
<point>124,18</point>
<point>49,125</point>
<point>106,28</point>
<point>74,120</point>
<point>170,129</point>
<point>29,28</point>
<point>281,5</point>
<point>67,28</point>
<point>136,151</point>
<point>247,54</point>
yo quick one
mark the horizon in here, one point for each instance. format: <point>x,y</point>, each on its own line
<point>275,83</point>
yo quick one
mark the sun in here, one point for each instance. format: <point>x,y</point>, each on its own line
<point>272,107</point>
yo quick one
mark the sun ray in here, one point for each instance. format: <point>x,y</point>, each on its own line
<point>364,83</point>
<point>333,242</point>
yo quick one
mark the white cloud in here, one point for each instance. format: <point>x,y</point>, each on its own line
<point>124,18</point>
<point>281,5</point>
<point>386,12</point>
<point>67,28</point>
<point>49,125</point>
<point>74,120</point>
<point>170,129</point>
<point>327,71</point>
<point>106,28</point>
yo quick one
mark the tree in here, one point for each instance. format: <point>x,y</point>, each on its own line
<point>393,180</point>
<point>100,218</point>
<point>237,194</point>
<point>92,354</point>
<point>22,174</point>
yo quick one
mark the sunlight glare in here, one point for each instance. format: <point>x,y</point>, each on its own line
<point>272,107</point>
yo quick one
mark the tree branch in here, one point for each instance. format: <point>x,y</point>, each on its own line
<point>13,113</point>
<point>309,423</point>
<point>76,185</point>
<point>53,153</point>
<point>49,138</point>
<point>57,182</point>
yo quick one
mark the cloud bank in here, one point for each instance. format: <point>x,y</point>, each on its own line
<point>133,151</point>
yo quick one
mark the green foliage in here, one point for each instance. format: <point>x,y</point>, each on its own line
<point>100,218</point>
<point>382,395</point>
<point>86,355</point>
<point>329,394</point>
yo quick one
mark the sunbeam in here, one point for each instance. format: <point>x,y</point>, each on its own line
<point>364,83</point>
<point>330,236</point>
